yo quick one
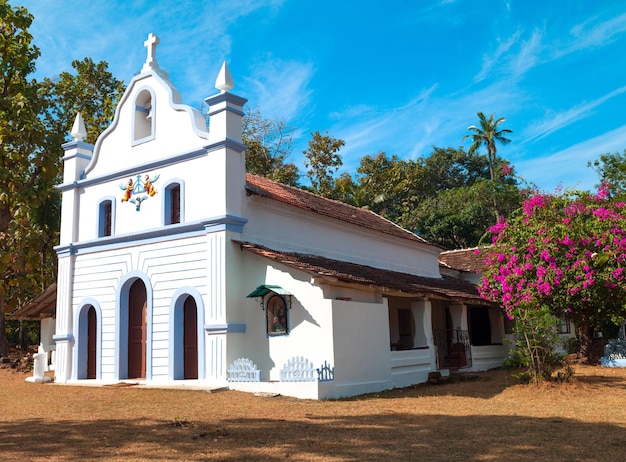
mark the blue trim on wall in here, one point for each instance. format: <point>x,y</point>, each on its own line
<point>79,371</point>
<point>227,143</point>
<point>121,324</point>
<point>176,333</point>
<point>76,144</point>
<point>154,165</point>
<point>76,155</point>
<point>65,250</point>
<point>225,97</point>
<point>132,171</point>
<point>227,328</point>
<point>62,338</point>
<point>166,233</point>
<point>227,108</point>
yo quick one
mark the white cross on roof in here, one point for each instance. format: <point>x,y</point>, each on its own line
<point>150,44</point>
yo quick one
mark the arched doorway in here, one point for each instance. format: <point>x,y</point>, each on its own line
<point>190,338</point>
<point>137,311</point>
<point>92,342</point>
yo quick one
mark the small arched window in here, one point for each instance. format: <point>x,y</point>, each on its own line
<point>143,123</point>
<point>172,204</point>
<point>105,218</point>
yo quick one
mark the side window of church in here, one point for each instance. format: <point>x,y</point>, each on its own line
<point>104,219</point>
<point>172,204</point>
<point>277,316</point>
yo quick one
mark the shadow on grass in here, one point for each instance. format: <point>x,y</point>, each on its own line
<point>392,436</point>
<point>481,385</point>
<point>601,381</point>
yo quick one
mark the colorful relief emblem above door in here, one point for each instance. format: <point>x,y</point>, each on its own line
<point>139,190</point>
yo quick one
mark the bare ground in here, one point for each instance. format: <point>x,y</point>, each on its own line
<point>492,418</point>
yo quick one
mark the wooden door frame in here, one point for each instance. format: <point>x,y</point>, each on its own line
<point>140,307</point>
<point>121,324</point>
<point>176,333</point>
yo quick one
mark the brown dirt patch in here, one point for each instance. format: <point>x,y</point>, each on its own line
<point>491,418</point>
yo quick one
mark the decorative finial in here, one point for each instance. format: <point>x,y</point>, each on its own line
<point>224,81</point>
<point>78,129</point>
<point>150,44</point>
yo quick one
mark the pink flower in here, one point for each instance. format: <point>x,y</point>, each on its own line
<point>603,191</point>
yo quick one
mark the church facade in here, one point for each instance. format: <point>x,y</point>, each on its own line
<point>177,267</point>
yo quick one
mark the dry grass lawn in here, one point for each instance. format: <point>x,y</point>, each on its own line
<point>494,418</point>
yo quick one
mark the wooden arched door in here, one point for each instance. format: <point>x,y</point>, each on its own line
<point>92,342</point>
<point>190,338</point>
<point>137,311</point>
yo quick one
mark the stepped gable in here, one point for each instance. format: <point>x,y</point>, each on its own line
<point>468,260</point>
<point>450,288</point>
<point>331,208</point>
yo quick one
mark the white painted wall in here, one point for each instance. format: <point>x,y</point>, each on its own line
<point>178,128</point>
<point>282,227</point>
<point>169,265</point>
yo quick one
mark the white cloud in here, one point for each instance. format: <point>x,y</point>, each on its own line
<point>590,34</point>
<point>553,122</point>
<point>280,88</point>
<point>569,166</point>
<point>492,59</point>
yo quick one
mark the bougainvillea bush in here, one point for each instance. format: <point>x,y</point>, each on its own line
<point>565,252</point>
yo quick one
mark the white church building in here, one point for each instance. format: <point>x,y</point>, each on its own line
<point>175,267</point>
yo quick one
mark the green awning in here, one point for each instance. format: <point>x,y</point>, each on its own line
<point>261,291</point>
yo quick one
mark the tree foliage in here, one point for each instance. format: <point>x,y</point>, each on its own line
<point>268,146</point>
<point>488,133</point>
<point>35,118</point>
<point>322,162</point>
<point>611,169</point>
<point>562,252</point>
<point>91,90</point>
<point>23,161</point>
<point>445,198</point>
<point>535,348</point>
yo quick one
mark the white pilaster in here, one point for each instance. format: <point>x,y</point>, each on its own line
<point>64,337</point>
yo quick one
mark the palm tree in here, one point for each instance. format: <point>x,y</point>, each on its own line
<point>488,133</point>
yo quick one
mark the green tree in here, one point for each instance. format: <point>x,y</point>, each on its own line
<point>24,162</point>
<point>455,207</point>
<point>611,169</point>
<point>454,218</point>
<point>92,90</point>
<point>488,133</point>
<point>322,162</point>
<point>387,185</point>
<point>268,146</point>
<point>35,119</point>
<point>445,198</point>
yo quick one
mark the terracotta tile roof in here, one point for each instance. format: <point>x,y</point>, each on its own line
<point>469,260</point>
<point>42,306</point>
<point>334,209</point>
<point>450,288</point>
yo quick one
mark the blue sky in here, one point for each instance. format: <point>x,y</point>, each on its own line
<point>398,76</point>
